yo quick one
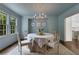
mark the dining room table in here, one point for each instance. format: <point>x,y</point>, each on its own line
<point>42,39</point>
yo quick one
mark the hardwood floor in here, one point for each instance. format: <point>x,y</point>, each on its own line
<point>73,45</point>
<point>13,50</point>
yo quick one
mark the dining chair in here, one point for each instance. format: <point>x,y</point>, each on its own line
<point>39,45</point>
<point>55,41</point>
<point>22,43</point>
<point>25,35</point>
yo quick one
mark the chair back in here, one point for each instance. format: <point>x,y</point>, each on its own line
<point>55,40</point>
<point>56,36</point>
<point>25,34</point>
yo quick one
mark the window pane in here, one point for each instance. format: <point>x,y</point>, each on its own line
<point>4,32</point>
<point>13,27</point>
<point>0,19</point>
<point>1,32</point>
<point>1,26</point>
<point>13,31</point>
<point>5,27</point>
<point>4,19</point>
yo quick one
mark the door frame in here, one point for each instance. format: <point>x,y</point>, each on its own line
<point>67,29</point>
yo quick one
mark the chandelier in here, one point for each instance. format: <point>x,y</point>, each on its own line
<point>40,16</point>
<point>39,22</point>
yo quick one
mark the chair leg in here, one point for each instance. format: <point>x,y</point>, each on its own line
<point>20,49</point>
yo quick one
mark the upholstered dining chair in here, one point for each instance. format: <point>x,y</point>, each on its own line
<point>25,35</point>
<point>55,41</point>
<point>22,43</point>
<point>39,45</point>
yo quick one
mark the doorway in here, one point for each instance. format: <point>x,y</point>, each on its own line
<point>71,30</point>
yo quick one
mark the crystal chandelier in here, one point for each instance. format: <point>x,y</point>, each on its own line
<point>39,21</point>
<point>40,16</point>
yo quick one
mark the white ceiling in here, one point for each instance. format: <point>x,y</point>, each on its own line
<point>32,8</point>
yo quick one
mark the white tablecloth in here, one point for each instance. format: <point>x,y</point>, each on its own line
<point>42,39</point>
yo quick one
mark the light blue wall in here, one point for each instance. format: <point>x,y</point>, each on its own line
<point>70,12</point>
<point>6,40</point>
<point>52,24</point>
<point>24,25</point>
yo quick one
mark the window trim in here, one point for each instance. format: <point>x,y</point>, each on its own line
<point>15,24</point>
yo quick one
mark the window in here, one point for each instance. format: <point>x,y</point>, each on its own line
<point>2,23</point>
<point>12,24</point>
<point>7,23</point>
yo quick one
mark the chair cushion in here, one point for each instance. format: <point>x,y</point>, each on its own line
<point>25,41</point>
<point>53,44</point>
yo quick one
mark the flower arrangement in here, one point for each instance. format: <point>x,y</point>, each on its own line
<point>40,32</point>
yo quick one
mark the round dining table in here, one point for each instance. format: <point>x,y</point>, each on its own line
<point>42,39</point>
